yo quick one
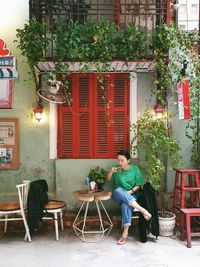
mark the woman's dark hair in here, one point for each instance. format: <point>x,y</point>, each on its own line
<point>124,153</point>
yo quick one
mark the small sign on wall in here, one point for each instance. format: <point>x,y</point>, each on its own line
<point>7,74</point>
<point>9,143</point>
<point>6,89</point>
<point>183,90</point>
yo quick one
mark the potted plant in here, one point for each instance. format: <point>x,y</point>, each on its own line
<point>98,175</point>
<point>155,147</point>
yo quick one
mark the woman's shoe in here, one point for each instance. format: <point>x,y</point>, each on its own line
<point>122,240</point>
<point>147,215</point>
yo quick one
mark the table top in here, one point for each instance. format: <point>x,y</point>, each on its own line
<point>85,195</point>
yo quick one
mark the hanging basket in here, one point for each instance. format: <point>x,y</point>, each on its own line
<point>58,98</point>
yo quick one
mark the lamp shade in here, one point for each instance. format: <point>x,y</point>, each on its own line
<point>158,108</point>
<point>38,112</point>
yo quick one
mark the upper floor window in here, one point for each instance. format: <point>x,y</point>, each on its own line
<point>188,15</point>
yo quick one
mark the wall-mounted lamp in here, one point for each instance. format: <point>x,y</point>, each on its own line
<point>158,110</point>
<point>38,112</point>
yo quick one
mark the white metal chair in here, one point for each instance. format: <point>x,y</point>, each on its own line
<point>16,209</point>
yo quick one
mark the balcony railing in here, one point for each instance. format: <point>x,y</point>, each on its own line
<point>142,13</point>
<point>148,13</point>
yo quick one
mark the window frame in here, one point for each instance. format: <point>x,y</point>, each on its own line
<point>53,117</point>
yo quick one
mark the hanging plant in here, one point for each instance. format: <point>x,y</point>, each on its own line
<point>32,41</point>
<point>102,83</point>
<point>162,42</point>
<point>131,43</point>
<point>90,42</point>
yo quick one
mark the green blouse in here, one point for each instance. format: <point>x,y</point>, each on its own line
<point>127,179</point>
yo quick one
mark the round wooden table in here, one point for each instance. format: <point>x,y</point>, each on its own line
<point>81,226</point>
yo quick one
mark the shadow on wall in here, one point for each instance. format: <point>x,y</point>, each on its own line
<point>70,176</point>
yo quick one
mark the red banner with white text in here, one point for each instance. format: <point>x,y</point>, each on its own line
<point>183,90</point>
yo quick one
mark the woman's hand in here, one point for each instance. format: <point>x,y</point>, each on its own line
<point>133,190</point>
<point>109,175</point>
<point>114,169</point>
<point>130,192</point>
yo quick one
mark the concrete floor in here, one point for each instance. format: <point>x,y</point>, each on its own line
<point>44,251</point>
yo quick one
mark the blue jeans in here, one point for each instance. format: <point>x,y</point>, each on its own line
<point>121,196</point>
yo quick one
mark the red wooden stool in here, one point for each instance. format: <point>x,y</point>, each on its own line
<point>188,214</point>
<point>186,181</point>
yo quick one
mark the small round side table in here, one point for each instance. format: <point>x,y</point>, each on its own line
<point>80,224</point>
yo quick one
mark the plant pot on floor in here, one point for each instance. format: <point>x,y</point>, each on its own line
<point>167,224</point>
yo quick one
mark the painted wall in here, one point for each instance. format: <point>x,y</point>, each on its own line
<point>179,127</point>
<point>34,138</point>
<point>63,176</point>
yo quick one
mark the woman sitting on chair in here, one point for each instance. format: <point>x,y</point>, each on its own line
<point>126,179</point>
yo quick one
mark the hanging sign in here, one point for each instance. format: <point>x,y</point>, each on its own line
<point>183,90</point>
<point>3,50</point>
<point>7,63</point>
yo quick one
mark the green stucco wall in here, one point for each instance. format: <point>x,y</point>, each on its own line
<point>70,175</point>
<point>63,176</point>
<point>33,137</point>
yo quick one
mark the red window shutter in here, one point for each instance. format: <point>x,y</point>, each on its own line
<point>102,144</point>
<point>65,133</point>
<point>110,139</point>
<point>100,124</point>
<point>82,126</point>
<point>120,112</point>
<point>65,144</point>
<point>85,118</point>
<point>75,127</point>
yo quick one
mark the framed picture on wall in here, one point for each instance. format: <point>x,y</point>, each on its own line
<point>9,143</point>
<point>6,93</point>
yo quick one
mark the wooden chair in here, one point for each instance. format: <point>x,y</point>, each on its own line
<point>56,209</point>
<point>190,213</point>
<point>15,211</point>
